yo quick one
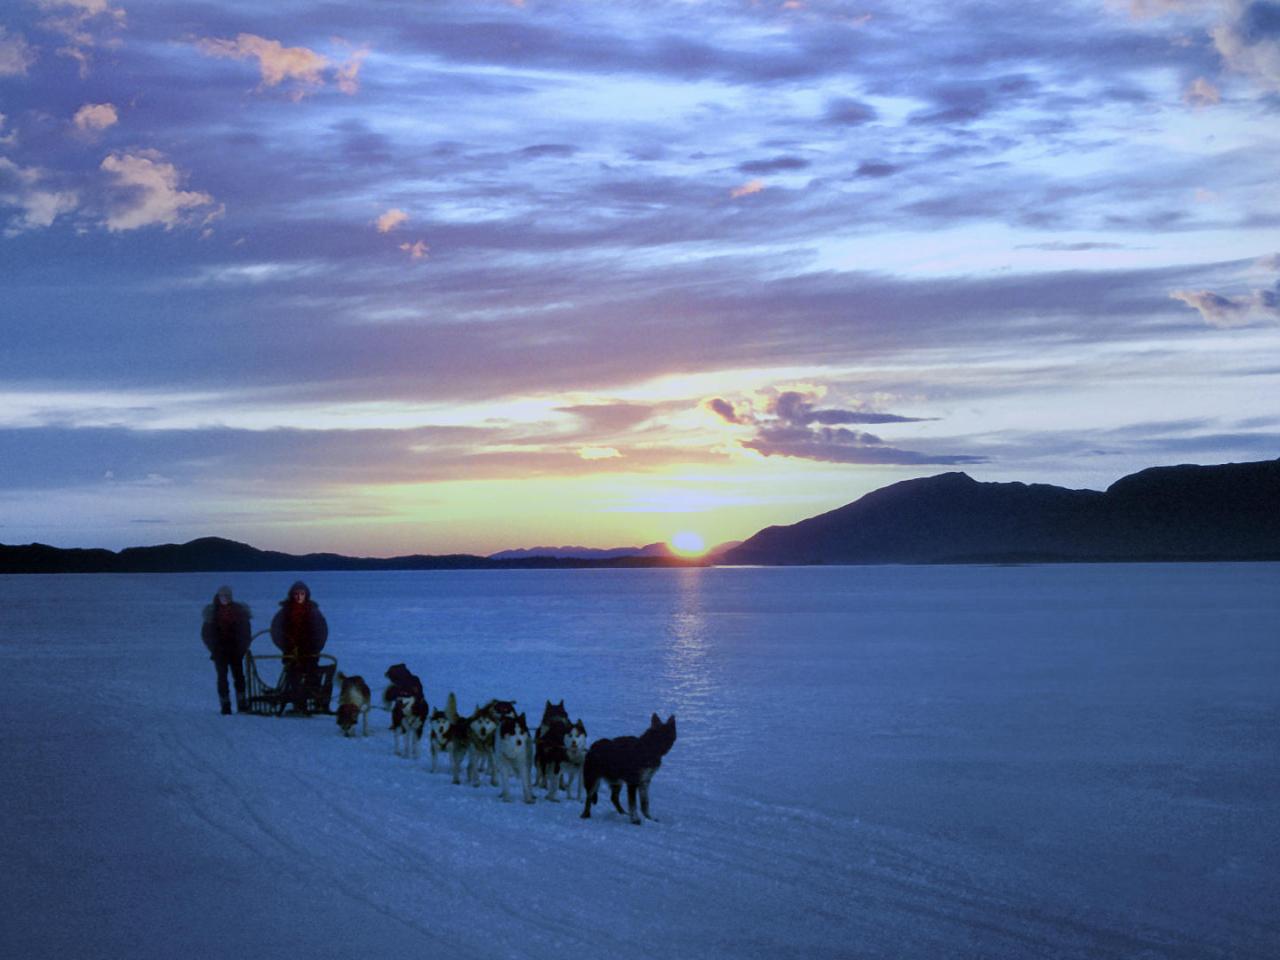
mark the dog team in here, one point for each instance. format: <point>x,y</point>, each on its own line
<point>494,743</point>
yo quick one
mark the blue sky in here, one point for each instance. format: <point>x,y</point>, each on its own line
<point>435,276</point>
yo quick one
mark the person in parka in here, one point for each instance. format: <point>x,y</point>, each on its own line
<point>227,635</point>
<point>300,630</point>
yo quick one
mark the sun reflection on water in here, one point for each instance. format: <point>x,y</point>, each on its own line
<point>688,674</point>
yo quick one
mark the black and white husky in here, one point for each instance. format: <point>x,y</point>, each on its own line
<point>353,705</point>
<point>513,755</point>
<point>483,727</point>
<point>439,725</point>
<point>575,754</point>
<point>629,760</point>
<point>408,710</point>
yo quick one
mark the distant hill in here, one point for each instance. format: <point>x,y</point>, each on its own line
<point>594,553</point>
<point>215,553</point>
<point>1226,512</point>
<point>562,553</point>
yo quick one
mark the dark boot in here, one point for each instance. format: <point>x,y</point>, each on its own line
<point>226,707</point>
<point>242,705</point>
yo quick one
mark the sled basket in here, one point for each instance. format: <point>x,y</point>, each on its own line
<point>306,690</point>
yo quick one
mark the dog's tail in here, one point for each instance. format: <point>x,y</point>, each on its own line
<point>451,708</point>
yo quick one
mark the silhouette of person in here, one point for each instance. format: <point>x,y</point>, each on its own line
<point>299,630</point>
<point>226,633</point>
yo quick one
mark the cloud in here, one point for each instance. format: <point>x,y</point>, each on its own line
<point>846,112</point>
<point>149,194</point>
<point>278,63</point>
<point>746,189</point>
<point>21,187</point>
<point>1201,93</point>
<point>1249,41</point>
<point>776,165</point>
<point>839,445</point>
<point>598,453</point>
<point>93,117</point>
<point>798,409</point>
<point>417,250</point>
<point>391,219</point>
<point>726,411</point>
<point>1225,312</point>
<point>76,21</point>
<point>869,168</point>
<point>16,54</point>
<point>795,427</point>
<point>347,75</point>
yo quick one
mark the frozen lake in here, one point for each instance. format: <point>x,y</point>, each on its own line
<point>978,761</point>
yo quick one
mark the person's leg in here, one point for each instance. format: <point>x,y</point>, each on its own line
<point>224,692</point>
<point>237,676</point>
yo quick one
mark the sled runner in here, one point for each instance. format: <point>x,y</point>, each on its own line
<point>306,690</point>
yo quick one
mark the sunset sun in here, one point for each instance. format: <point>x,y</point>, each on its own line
<point>686,543</point>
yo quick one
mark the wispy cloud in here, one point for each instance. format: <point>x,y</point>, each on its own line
<point>39,205</point>
<point>747,189</point>
<point>278,64</point>
<point>793,425</point>
<point>16,55</point>
<point>391,219</point>
<point>84,25</point>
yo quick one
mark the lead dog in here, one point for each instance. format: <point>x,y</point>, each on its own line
<point>629,760</point>
<point>353,704</point>
<point>513,755</point>
<point>408,710</point>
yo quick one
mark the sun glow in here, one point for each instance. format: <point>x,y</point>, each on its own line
<point>686,543</point>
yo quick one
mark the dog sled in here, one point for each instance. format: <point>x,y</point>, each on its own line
<point>306,688</point>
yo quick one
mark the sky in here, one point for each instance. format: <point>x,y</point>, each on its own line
<point>434,277</point>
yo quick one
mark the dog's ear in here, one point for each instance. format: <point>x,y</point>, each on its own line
<point>671,721</point>
<point>654,721</point>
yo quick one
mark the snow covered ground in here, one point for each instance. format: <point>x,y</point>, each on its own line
<point>1058,761</point>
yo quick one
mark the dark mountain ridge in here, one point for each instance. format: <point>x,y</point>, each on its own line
<point>1224,512</point>
<point>216,553</point>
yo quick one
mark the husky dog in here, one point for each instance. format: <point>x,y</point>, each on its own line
<point>629,760</point>
<point>353,704</point>
<point>552,714</point>
<point>438,724</point>
<point>408,710</point>
<point>483,726</point>
<point>548,752</point>
<point>455,740</point>
<point>513,755</point>
<point>575,753</point>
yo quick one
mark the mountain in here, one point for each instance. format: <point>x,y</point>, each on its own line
<point>563,553</point>
<point>216,553</point>
<point>1225,512</point>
